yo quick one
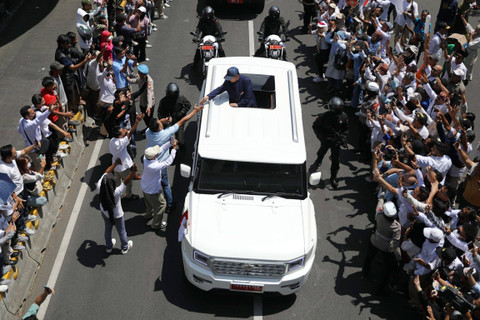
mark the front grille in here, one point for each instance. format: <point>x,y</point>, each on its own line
<point>249,269</point>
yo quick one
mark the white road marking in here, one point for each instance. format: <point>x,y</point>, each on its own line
<point>251,39</point>
<point>57,266</point>
<point>257,307</point>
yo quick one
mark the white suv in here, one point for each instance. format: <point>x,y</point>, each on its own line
<point>251,224</point>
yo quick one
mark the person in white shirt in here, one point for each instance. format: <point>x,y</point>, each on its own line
<point>118,149</point>
<point>151,183</point>
<point>111,206</point>
<point>435,44</point>
<point>91,71</point>
<point>405,17</point>
<point>106,81</point>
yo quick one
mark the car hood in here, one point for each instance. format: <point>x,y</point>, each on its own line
<point>245,227</point>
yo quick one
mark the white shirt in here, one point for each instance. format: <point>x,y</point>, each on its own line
<point>429,255</point>
<point>44,126</point>
<point>30,129</point>
<point>118,210</point>
<point>11,170</point>
<point>60,91</point>
<point>118,149</point>
<point>435,44</point>
<point>403,19</point>
<point>152,171</point>
<point>441,164</point>
<point>431,111</point>
<point>456,66</point>
<point>107,87</point>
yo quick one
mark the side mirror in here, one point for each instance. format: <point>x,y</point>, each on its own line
<point>314,178</point>
<point>185,171</point>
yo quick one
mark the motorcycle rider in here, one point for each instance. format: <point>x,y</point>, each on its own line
<point>174,106</point>
<point>272,24</point>
<point>331,128</point>
<point>208,25</point>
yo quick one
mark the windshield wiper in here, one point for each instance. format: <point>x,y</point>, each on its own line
<point>224,194</point>
<point>278,195</point>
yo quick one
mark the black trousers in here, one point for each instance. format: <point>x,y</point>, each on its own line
<point>139,51</point>
<point>390,265</point>
<point>308,15</point>
<point>326,144</point>
<point>321,59</point>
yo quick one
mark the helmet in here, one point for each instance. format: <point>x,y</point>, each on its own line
<point>274,12</point>
<point>336,104</point>
<point>208,13</point>
<point>172,89</point>
<point>373,87</point>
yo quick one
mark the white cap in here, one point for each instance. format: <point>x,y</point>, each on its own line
<point>433,234</point>
<point>373,86</point>
<point>142,9</point>
<point>151,152</point>
<point>389,209</point>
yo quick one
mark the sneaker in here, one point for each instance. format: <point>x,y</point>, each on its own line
<point>15,254</point>
<point>61,155</point>
<point>317,79</point>
<point>68,139</point>
<point>22,238</point>
<point>73,122</point>
<point>11,262</point>
<point>29,231</point>
<point>130,246</point>
<point>163,17</point>
<point>154,29</point>
<point>5,281</point>
<point>146,41</point>
<point>31,217</point>
<point>3,288</point>
<point>113,245</point>
<point>18,247</point>
<point>163,225</point>
<point>147,59</point>
<point>148,46</point>
<point>166,5</point>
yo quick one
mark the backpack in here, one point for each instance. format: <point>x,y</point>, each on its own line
<point>341,59</point>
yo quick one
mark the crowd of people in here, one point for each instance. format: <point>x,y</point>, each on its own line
<point>408,102</point>
<point>409,107</point>
<point>91,77</point>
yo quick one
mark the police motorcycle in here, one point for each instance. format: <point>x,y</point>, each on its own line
<point>274,46</point>
<point>208,47</point>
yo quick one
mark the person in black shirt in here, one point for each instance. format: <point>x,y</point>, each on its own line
<point>208,25</point>
<point>272,24</point>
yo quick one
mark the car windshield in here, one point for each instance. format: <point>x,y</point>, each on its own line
<point>221,176</point>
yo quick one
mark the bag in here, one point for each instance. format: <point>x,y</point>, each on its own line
<point>36,188</point>
<point>341,59</point>
<point>139,35</point>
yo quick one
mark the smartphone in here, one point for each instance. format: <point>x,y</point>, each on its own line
<point>172,140</point>
<point>470,245</point>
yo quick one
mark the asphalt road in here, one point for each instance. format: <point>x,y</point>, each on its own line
<point>148,282</point>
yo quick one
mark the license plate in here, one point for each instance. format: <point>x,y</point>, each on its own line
<point>246,287</point>
<point>275,46</point>
<point>235,1</point>
<point>207,47</point>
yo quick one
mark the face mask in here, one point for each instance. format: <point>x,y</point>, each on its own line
<point>29,165</point>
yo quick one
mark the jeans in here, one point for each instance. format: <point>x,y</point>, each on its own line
<point>122,232</point>
<point>167,191</point>
<point>356,96</point>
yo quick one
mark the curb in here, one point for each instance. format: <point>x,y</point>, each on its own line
<point>31,258</point>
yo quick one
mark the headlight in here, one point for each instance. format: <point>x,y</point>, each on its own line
<point>200,258</point>
<point>295,264</point>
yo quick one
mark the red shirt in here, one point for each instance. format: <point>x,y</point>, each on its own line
<point>50,98</point>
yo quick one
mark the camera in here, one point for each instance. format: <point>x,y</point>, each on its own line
<point>457,301</point>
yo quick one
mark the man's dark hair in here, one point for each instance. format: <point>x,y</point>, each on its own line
<point>116,131</point>
<point>117,50</point>
<point>71,37</point>
<point>6,151</point>
<point>121,17</point>
<point>25,111</point>
<point>47,82</point>
<point>442,147</point>
<point>117,93</point>
<point>37,99</point>
<point>62,39</point>
<point>153,125</point>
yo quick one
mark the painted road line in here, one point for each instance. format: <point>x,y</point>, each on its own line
<point>251,39</point>
<point>57,266</point>
<point>257,307</point>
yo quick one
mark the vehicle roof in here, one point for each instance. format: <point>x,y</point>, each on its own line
<point>253,134</point>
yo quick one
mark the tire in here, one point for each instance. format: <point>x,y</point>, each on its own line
<point>258,7</point>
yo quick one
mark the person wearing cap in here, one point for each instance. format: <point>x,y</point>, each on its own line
<point>85,23</point>
<point>428,255</point>
<point>330,14</point>
<point>385,240</point>
<point>140,18</point>
<point>239,88</point>
<point>447,13</point>
<point>56,70</point>
<point>322,48</point>
<point>151,182</point>
<point>455,83</point>
<point>147,97</point>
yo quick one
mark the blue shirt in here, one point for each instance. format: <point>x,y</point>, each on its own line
<point>358,59</point>
<point>160,138</point>
<point>239,92</point>
<point>121,77</point>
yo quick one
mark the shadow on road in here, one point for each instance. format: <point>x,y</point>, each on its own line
<point>90,254</point>
<point>22,18</point>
